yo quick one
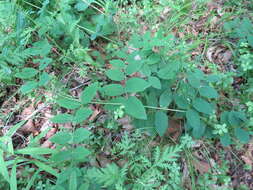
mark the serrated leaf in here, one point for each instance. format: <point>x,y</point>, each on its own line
<point>80,135</point>
<point>225,140</point>
<point>88,93</point>
<point>39,48</point>
<point>165,99</point>
<point>113,90</point>
<point>192,117</point>
<point>61,138</point>
<point>68,103</point>
<point>62,118</point>
<point>44,79</point>
<point>242,135</point>
<point>136,85</point>
<point>27,73</point>
<point>202,106</point>
<point>28,87</point>
<point>155,82</point>
<point>79,153</point>
<point>135,108</point>
<point>115,74</point>
<point>208,92</point>
<point>161,122</point>
<point>81,115</point>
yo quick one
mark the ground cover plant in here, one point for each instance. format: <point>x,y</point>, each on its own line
<point>119,95</point>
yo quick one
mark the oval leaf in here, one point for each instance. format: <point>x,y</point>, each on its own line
<point>161,122</point>
<point>135,108</point>
<point>62,118</point>
<point>115,74</point>
<point>155,82</point>
<point>208,92</point>
<point>242,135</point>
<point>193,118</point>
<point>136,85</point>
<point>113,90</point>
<point>68,103</point>
<point>61,138</point>
<point>202,106</point>
<point>27,73</point>
<point>88,93</point>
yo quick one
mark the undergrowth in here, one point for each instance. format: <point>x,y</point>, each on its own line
<point>102,94</point>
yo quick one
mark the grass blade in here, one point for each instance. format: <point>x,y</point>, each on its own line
<point>13,179</point>
<point>3,168</point>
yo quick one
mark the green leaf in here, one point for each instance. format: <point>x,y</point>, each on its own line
<point>133,67</point>
<point>225,140</point>
<point>45,167</point>
<point>213,78</point>
<point>80,135</point>
<point>242,135</point>
<point>13,179</point>
<point>88,93</point>
<point>169,71</point>
<point>193,118</point>
<point>35,151</point>
<point>68,103</point>
<point>27,73</point>
<point>236,118</point>
<point>161,122</point>
<point>61,156</point>
<point>61,138</point>
<point>117,63</point>
<point>80,153</point>
<point>165,98</point>
<point>208,92</point>
<point>113,90</point>
<point>135,108</point>
<point>181,102</point>
<point>198,130</point>
<point>62,118</point>
<point>82,114</point>
<point>28,87</point>
<point>202,106</point>
<point>73,181</point>
<point>39,48</point>
<point>155,82</point>
<point>44,79</point>
<point>136,85</point>
<point>115,74</point>
<point>193,81</point>
<point>3,167</point>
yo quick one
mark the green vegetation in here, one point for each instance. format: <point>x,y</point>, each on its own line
<point>126,94</point>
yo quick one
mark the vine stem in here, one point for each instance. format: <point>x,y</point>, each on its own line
<point>149,107</point>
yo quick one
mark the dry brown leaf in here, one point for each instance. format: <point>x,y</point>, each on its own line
<point>201,166</point>
<point>29,126</point>
<point>248,156</point>
<point>174,129</point>
<point>94,115</point>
